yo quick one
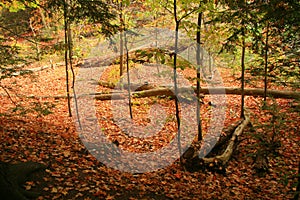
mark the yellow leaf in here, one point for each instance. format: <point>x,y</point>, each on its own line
<point>67,153</point>
<point>28,187</point>
<point>54,190</point>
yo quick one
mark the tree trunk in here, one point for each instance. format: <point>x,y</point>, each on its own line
<point>121,38</point>
<point>297,195</point>
<point>128,73</point>
<point>66,27</point>
<point>266,63</point>
<point>199,65</point>
<point>36,43</point>
<point>243,75</point>
<point>177,22</point>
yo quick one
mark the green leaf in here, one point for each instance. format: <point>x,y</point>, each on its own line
<point>126,2</point>
<point>16,6</point>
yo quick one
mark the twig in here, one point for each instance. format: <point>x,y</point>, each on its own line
<point>5,90</point>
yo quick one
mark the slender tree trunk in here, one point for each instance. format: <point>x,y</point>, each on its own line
<point>70,51</point>
<point>45,24</point>
<point>297,195</point>
<point>266,63</point>
<point>121,38</point>
<point>66,22</point>
<point>70,54</point>
<point>209,52</point>
<point>210,64</point>
<point>243,75</point>
<point>37,48</point>
<point>156,38</point>
<point>175,80</point>
<point>128,74</point>
<point>199,65</point>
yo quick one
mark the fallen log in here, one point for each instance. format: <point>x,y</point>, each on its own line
<point>36,69</point>
<point>192,161</point>
<point>167,91</point>
<point>285,94</point>
<point>138,94</point>
<point>153,90</point>
<point>133,86</point>
<point>224,158</point>
<point>212,91</point>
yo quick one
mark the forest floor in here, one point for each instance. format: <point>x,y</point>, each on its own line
<point>73,173</point>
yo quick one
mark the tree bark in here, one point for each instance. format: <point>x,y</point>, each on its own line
<point>121,29</point>
<point>243,76</point>
<point>128,73</point>
<point>297,194</point>
<point>66,31</point>
<point>177,22</point>
<point>266,63</point>
<point>199,65</point>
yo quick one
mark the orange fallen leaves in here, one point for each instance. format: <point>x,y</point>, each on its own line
<point>73,173</point>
